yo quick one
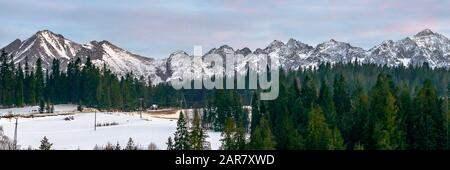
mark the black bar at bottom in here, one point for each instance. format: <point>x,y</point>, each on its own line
<point>224,159</point>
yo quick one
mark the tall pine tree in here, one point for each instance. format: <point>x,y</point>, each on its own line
<point>197,135</point>
<point>181,139</point>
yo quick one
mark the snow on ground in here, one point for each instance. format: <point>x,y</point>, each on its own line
<point>34,109</point>
<point>79,133</point>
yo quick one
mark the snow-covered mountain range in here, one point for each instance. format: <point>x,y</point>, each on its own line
<point>425,46</point>
<point>48,45</point>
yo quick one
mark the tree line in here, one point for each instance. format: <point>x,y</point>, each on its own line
<point>81,83</point>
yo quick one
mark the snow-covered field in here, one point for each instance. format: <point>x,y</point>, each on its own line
<point>79,133</point>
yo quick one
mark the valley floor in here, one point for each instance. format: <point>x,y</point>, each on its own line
<point>79,133</point>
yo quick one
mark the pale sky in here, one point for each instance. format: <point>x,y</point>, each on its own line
<point>157,28</point>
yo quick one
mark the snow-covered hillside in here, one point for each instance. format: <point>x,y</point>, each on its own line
<point>48,46</point>
<point>121,61</point>
<point>425,46</point>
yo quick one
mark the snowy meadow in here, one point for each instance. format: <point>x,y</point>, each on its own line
<point>76,131</point>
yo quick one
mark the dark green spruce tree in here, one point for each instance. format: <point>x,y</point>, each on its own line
<point>228,135</point>
<point>20,101</point>
<point>325,101</point>
<point>181,136</point>
<point>39,80</point>
<point>197,135</point>
<point>384,118</point>
<point>429,132</point>
<point>262,138</point>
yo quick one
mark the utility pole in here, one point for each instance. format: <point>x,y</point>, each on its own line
<point>15,133</point>
<point>95,120</point>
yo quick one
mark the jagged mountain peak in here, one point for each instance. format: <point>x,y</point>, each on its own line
<point>332,43</point>
<point>244,51</point>
<point>222,50</point>
<point>432,41</point>
<point>97,42</point>
<point>47,34</point>
<point>293,44</point>
<point>13,45</point>
<point>425,32</point>
<point>429,38</point>
<point>259,51</point>
<point>276,43</point>
<point>103,42</point>
<point>383,44</point>
<point>225,47</point>
<point>43,44</point>
<point>292,41</point>
<point>45,31</point>
<point>178,52</point>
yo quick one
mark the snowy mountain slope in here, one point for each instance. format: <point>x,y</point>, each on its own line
<point>45,45</point>
<point>290,54</point>
<point>334,51</point>
<point>425,46</point>
<point>120,61</point>
<point>435,48</point>
<point>48,46</point>
<point>176,65</point>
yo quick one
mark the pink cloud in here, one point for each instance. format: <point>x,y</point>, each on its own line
<point>222,35</point>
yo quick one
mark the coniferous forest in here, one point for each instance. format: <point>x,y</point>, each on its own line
<point>334,107</point>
